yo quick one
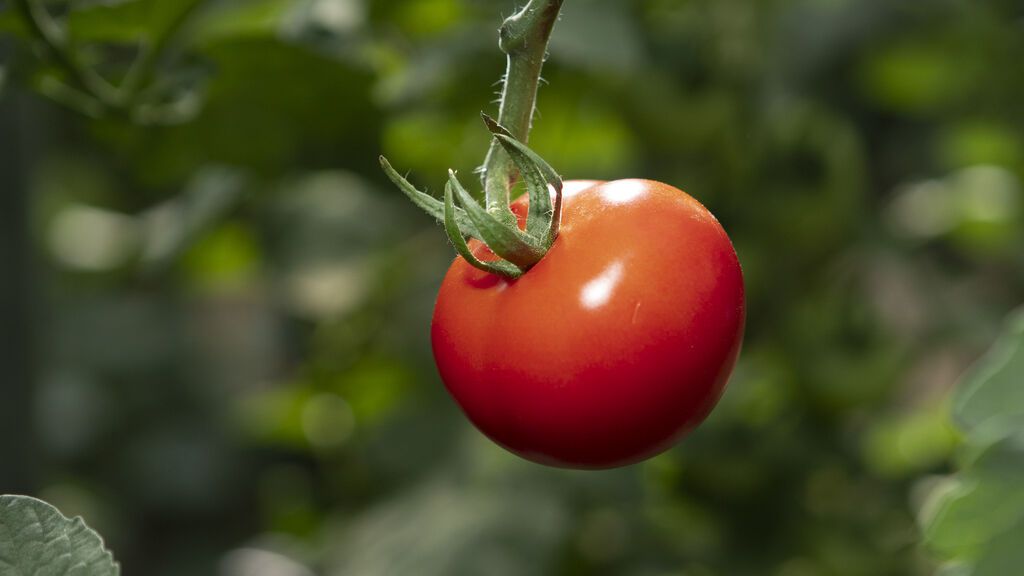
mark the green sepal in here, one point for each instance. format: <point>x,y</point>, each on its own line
<point>556,217</point>
<point>428,203</point>
<point>494,127</point>
<point>538,222</point>
<point>504,240</point>
<point>543,220</point>
<point>499,267</point>
<point>549,173</point>
<point>501,209</point>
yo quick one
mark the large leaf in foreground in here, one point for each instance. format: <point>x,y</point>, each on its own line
<point>990,401</point>
<point>976,520</point>
<point>37,540</point>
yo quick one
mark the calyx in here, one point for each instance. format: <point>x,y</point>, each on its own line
<point>517,249</point>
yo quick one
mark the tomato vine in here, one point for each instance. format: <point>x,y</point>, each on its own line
<point>523,37</point>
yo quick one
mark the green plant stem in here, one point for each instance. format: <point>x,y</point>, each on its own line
<point>54,41</point>
<point>524,38</point>
<point>141,75</point>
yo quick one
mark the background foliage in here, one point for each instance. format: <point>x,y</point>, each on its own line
<point>215,308</point>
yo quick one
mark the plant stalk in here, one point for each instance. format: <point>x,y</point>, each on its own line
<point>54,41</point>
<point>524,38</point>
<point>141,74</point>
<point>88,90</point>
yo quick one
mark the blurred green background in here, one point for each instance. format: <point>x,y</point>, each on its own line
<point>214,313</point>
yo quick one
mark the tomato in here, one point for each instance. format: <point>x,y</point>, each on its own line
<point>612,347</point>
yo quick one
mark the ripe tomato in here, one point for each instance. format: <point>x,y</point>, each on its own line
<point>609,349</point>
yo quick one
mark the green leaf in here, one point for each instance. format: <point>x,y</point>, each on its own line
<point>500,267</point>
<point>250,19</point>
<point>989,404</point>
<point>505,240</point>
<point>985,501</point>
<point>426,202</point>
<point>119,22</point>
<point>126,22</point>
<point>37,540</point>
<point>1003,555</point>
<point>978,518</point>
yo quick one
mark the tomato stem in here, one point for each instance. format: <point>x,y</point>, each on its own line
<point>524,38</point>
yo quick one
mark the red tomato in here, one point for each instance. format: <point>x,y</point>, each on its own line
<point>613,346</point>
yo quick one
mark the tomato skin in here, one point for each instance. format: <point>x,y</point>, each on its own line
<point>613,346</point>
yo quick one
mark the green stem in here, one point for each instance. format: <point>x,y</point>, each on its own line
<point>524,38</point>
<point>54,40</point>
<point>87,90</point>
<point>141,75</point>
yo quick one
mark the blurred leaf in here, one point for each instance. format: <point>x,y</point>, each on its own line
<point>125,21</point>
<point>258,117</point>
<point>990,402</point>
<point>296,20</point>
<point>979,517</point>
<point>35,538</point>
<point>1004,554</point>
<point>986,501</point>
<point>240,20</point>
